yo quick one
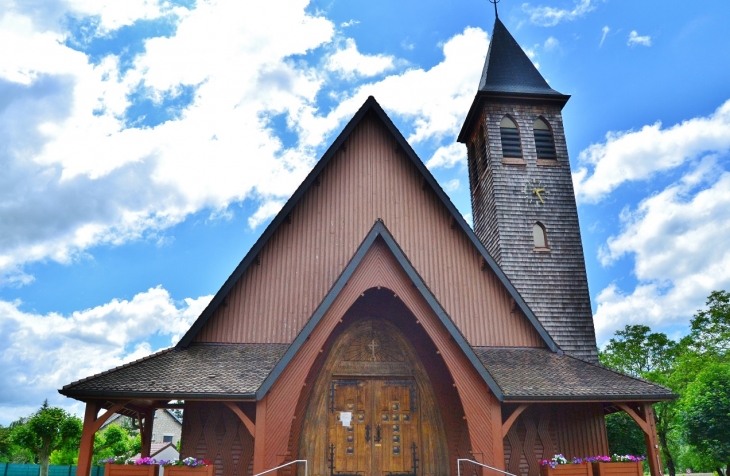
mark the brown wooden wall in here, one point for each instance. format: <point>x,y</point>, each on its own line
<point>543,430</point>
<point>482,411</point>
<point>211,431</point>
<point>367,181</point>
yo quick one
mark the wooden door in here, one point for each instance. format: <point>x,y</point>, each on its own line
<point>382,437</point>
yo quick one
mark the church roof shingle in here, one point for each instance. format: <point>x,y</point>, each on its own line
<point>239,370</point>
<point>539,374</point>
<point>210,370</point>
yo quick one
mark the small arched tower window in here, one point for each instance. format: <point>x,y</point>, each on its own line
<point>539,235</point>
<point>510,135</point>
<point>544,142</point>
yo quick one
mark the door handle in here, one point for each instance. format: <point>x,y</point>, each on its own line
<point>377,434</point>
<point>367,433</point>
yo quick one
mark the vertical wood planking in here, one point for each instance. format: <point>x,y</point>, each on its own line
<point>370,180</point>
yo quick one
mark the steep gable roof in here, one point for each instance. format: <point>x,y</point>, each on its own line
<point>370,106</point>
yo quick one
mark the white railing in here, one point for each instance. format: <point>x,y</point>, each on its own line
<point>458,466</point>
<point>306,469</point>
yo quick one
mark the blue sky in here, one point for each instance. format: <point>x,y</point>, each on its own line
<point>145,145</point>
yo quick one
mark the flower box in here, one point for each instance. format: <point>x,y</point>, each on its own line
<point>580,469</point>
<point>189,470</point>
<point>131,469</point>
<point>628,468</point>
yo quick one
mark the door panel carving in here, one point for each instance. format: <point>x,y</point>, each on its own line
<point>373,408</point>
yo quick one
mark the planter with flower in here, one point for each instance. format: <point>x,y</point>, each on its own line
<point>562,466</point>
<point>188,467</point>
<point>137,467</point>
<point>617,465</point>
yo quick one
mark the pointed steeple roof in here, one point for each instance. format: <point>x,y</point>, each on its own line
<point>507,68</point>
<point>508,73</point>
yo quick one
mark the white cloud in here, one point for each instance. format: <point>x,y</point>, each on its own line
<point>452,185</point>
<point>448,156</point>
<point>76,176</point>
<point>605,30</point>
<point>266,210</point>
<point>638,155</point>
<point>349,62</point>
<point>346,24</point>
<point>42,352</point>
<point>551,16</point>
<point>679,241</point>
<point>551,44</point>
<point>635,39</point>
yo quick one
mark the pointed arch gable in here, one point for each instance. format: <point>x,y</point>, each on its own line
<point>415,178</point>
<point>379,261</point>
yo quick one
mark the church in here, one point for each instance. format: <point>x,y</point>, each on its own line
<point>371,331</point>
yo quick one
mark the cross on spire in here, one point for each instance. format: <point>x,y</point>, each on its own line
<point>495,2</point>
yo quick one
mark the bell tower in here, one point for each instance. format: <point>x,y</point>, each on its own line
<point>523,204</point>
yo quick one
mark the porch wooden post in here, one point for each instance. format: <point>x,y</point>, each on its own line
<point>86,448</point>
<point>146,432</point>
<point>259,443</point>
<point>652,442</point>
<point>498,437</point>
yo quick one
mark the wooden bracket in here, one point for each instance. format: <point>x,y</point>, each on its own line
<point>639,421</point>
<point>243,417</point>
<point>100,420</point>
<point>512,418</point>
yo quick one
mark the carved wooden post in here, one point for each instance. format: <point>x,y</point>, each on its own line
<point>652,443</point>
<point>259,444</point>
<point>86,447</point>
<point>146,432</point>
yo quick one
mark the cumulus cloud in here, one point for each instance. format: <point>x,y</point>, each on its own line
<point>448,156</point>
<point>551,16</point>
<point>349,62</point>
<point>678,239</point>
<point>86,164</point>
<point>638,155</point>
<point>42,352</point>
<point>636,39</point>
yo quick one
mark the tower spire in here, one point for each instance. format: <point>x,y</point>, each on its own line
<point>495,2</point>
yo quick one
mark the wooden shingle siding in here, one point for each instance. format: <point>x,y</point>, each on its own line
<point>368,179</point>
<point>554,284</point>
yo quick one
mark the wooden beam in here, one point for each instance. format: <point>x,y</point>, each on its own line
<point>639,421</point>
<point>145,432</point>
<point>243,417</point>
<point>652,442</point>
<point>100,420</point>
<point>86,447</point>
<point>512,418</point>
<point>259,442</point>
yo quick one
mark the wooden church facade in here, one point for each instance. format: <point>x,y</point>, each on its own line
<point>370,331</point>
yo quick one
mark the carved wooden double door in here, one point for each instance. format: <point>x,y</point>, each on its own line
<point>373,428</point>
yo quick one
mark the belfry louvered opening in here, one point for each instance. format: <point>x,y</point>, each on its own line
<point>510,135</point>
<point>544,142</point>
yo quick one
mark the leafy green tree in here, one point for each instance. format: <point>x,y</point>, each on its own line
<point>5,444</point>
<point>651,355</point>
<point>47,430</point>
<point>114,440</point>
<point>710,334</point>
<point>624,435</point>
<point>706,415</point>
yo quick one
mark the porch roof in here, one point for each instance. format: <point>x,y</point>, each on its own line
<point>533,374</point>
<point>198,371</point>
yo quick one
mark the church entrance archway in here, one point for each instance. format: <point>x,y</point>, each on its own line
<point>373,410</point>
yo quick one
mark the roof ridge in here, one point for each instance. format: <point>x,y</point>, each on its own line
<point>119,367</point>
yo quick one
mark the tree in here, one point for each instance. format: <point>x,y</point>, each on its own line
<point>114,440</point>
<point>706,415</point>
<point>624,435</point>
<point>47,430</point>
<point>710,334</point>
<point>639,352</point>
